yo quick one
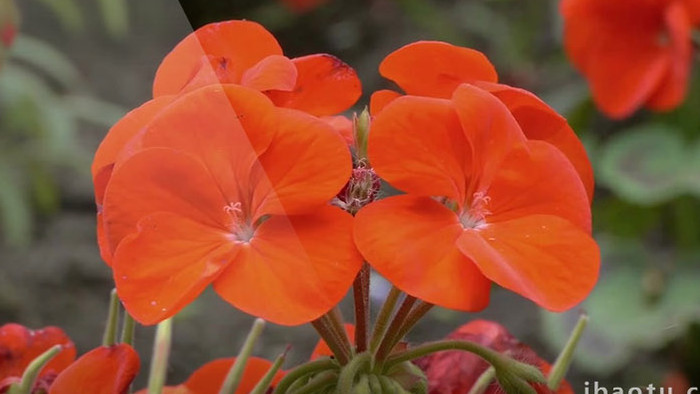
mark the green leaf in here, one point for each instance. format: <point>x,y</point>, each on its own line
<point>94,110</point>
<point>644,165</point>
<point>47,59</point>
<point>624,318</point>
<point>692,170</point>
<point>15,212</point>
<point>68,13</point>
<point>115,14</point>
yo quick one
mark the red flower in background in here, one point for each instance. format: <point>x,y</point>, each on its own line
<point>483,204</point>
<point>436,69</point>
<point>224,188</point>
<point>104,370</point>
<point>19,346</point>
<point>210,376</point>
<point>634,53</point>
<point>455,372</point>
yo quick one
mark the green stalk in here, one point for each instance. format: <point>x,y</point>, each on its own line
<point>264,383</point>
<point>109,337</point>
<point>128,329</point>
<point>391,336</point>
<point>318,383</point>
<point>360,289</point>
<point>561,366</point>
<point>411,320</point>
<point>31,373</point>
<point>233,378</point>
<point>328,334</point>
<point>302,371</point>
<point>161,353</point>
<point>350,371</point>
<point>484,381</point>
<point>382,323</point>
<point>335,318</point>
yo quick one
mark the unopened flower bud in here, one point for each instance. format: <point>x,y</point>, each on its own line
<point>361,189</point>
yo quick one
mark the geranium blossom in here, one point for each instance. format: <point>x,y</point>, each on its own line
<point>210,376</point>
<point>104,370</point>
<point>436,69</point>
<point>455,372</point>
<point>483,204</point>
<point>223,187</point>
<point>633,53</point>
<point>19,346</point>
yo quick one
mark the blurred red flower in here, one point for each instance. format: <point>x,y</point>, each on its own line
<point>634,53</point>
<point>436,69</point>
<point>19,346</point>
<point>455,372</point>
<point>210,376</point>
<point>301,6</point>
<point>224,188</point>
<point>104,370</point>
<point>483,204</point>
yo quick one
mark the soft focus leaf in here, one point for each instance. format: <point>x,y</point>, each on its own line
<point>94,110</point>
<point>115,15</point>
<point>644,165</point>
<point>47,59</point>
<point>15,212</point>
<point>692,170</point>
<point>68,13</point>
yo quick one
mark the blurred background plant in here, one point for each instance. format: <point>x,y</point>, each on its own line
<point>73,60</point>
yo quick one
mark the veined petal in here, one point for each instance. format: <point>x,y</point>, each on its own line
<point>539,121</point>
<point>342,125</point>
<point>543,258</point>
<point>435,69</point>
<point>380,99</point>
<point>272,72</point>
<point>160,180</point>
<point>295,268</point>
<point>306,165</point>
<point>417,145</point>
<point>19,346</point>
<point>673,88</point>
<point>325,86</point>
<point>166,264</point>
<point>105,370</point>
<point>210,376</point>
<point>238,46</point>
<point>538,180</point>
<point>411,241</point>
<point>490,129</point>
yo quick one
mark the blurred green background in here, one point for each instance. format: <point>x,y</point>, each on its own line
<point>76,66</point>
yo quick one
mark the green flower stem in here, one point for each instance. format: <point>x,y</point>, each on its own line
<point>360,289</point>
<point>109,337</point>
<point>417,313</point>
<point>302,371</point>
<point>318,383</point>
<point>382,323</point>
<point>264,383</point>
<point>31,373</point>
<point>233,378</point>
<point>561,366</point>
<point>349,372</point>
<point>484,381</point>
<point>128,329</point>
<point>159,358</point>
<point>335,318</point>
<point>329,335</point>
<point>391,337</point>
<point>504,365</point>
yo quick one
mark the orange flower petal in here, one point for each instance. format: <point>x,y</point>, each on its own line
<point>294,269</point>
<point>539,180</point>
<point>539,121</point>
<point>19,346</point>
<point>234,47</point>
<point>380,99</point>
<point>105,370</point>
<point>343,126</point>
<point>673,88</point>
<point>433,68</point>
<point>411,242</point>
<point>272,72</point>
<point>306,165</point>
<point>209,378</point>
<point>165,265</point>
<point>543,258</point>
<point>417,145</point>
<point>490,129</point>
<point>325,86</point>
<point>322,349</point>
<point>616,46</point>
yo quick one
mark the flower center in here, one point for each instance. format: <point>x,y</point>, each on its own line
<point>475,216</point>
<point>242,230</point>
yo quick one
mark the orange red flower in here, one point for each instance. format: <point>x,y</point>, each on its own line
<point>225,188</point>
<point>209,377</point>
<point>484,204</point>
<point>633,53</point>
<point>455,372</point>
<point>436,69</point>
<point>104,370</point>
